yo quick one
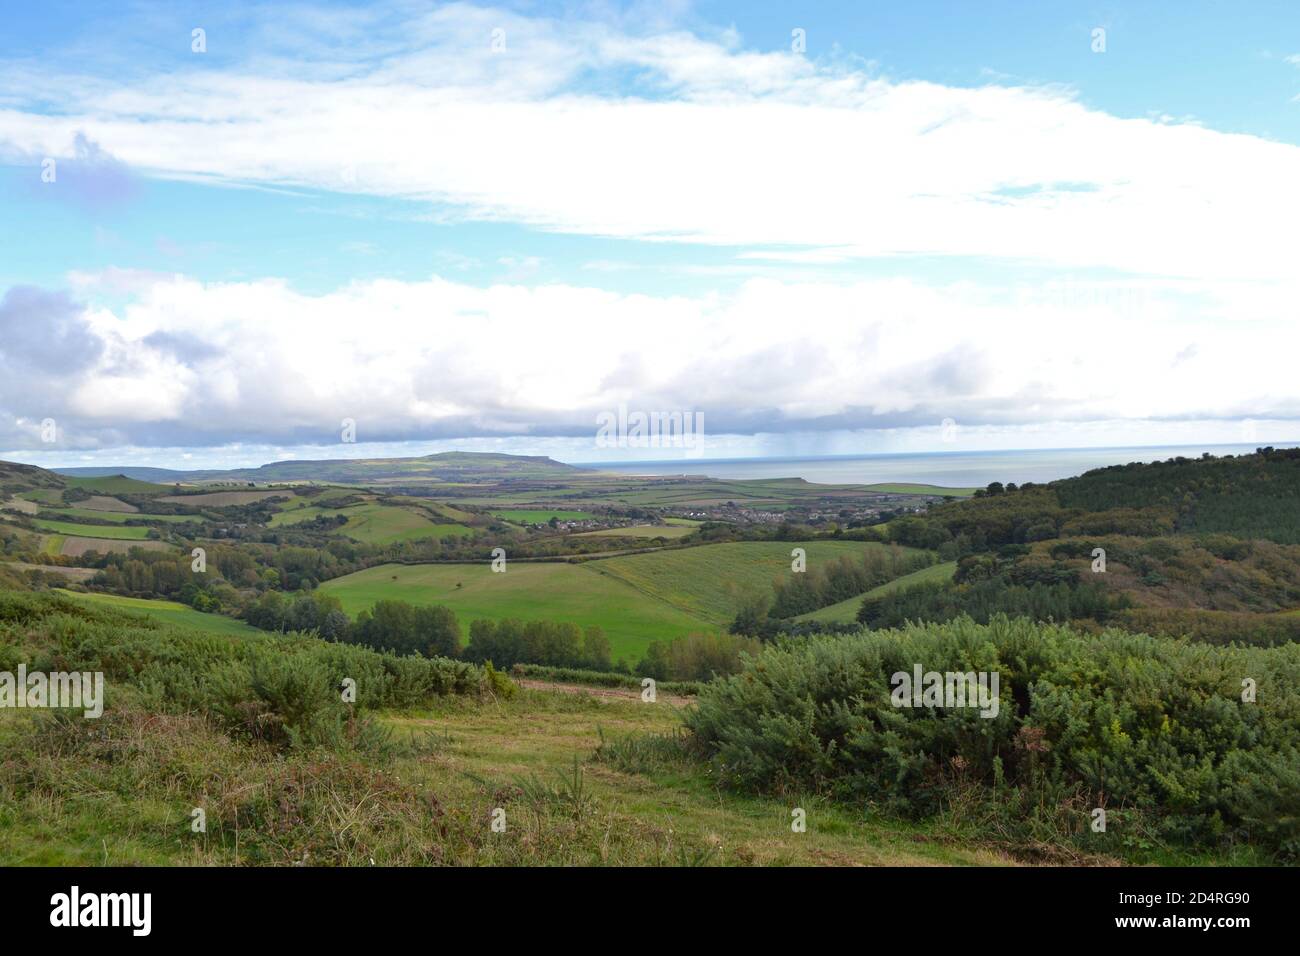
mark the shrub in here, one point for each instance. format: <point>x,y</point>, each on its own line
<point>285,690</point>
<point>696,657</point>
<point>1111,720</point>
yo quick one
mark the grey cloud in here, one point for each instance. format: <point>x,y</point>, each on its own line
<point>44,331</point>
<point>184,347</point>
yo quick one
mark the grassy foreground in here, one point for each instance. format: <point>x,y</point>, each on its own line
<point>436,763</point>
<point>122,793</point>
<point>575,779</point>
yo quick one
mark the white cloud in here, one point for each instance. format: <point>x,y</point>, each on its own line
<point>700,140</point>
<point>598,129</point>
<point>191,364</point>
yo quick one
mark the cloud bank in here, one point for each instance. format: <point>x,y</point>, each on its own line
<point>188,363</point>
<point>610,129</point>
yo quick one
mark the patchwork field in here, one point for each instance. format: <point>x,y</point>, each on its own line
<point>846,612</point>
<point>374,523</point>
<point>528,591</point>
<point>635,598</point>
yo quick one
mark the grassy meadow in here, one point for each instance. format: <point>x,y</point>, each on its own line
<point>165,612</point>
<point>123,532</point>
<point>541,515</point>
<point>634,598</point>
<point>712,581</point>
<point>527,591</point>
<point>115,485</point>
<point>375,523</point>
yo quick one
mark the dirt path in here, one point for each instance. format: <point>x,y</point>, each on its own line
<point>623,693</point>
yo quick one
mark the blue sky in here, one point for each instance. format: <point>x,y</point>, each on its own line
<point>935,212</point>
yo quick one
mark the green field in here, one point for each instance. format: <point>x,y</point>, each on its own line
<point>846,612</point>
<point>121,517</point>
<point>48,496</point>
<point>528,591</point>
<point>309,501</point>
<point>169,612</point>
<point>116,485</point>
<point>911,488</point>
<point>712,581</point>
<point>374,523</point>
<point>639,531</point>
<point>115,532</point>
<point>635,598</point>
<point>541,516</point>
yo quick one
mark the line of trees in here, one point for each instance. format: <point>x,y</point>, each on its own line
<point>828,583</point>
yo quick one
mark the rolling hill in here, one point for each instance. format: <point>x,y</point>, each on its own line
<point>527,591</point>
<point>450,467</point>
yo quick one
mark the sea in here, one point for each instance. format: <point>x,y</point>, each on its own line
<point>951,469</point>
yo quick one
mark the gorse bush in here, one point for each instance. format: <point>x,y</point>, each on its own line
<point>696,657</point>
<point>982,600</point>
<point>1213,627</point>
<point>1153,728</point>
<point>285,690</point>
